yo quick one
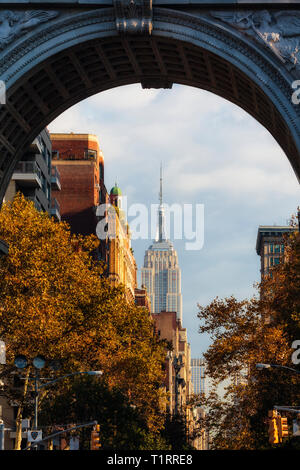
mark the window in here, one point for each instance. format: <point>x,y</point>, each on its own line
<point>90,154</point>
<point>277,248</point>
<point>55,155</point>
<point>276,260</point>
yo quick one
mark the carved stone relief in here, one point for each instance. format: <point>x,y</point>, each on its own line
<point>15,23</point>
<point>278,30</point>
<point>133,16</point>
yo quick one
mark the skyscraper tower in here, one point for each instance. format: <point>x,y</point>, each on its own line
<point>161,274</point>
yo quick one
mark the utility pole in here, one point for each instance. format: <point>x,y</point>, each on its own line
<point>36,400</point>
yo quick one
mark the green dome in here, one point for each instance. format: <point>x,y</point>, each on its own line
<point>116,191</point>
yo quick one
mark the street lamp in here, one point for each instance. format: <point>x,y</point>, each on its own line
<point>89,372</point>
<point>276,366</point>
<point>21,362</point>
<point>262,366</point>
<point>39,363</point>
<point>38,387</point>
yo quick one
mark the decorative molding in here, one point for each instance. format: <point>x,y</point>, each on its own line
<point>201,27</point>
<point>248,52</point>
<point>133,16</point>
<point>239,50</point>
<point>277,30</point>
<point>14,24</point>
<point>156,82</point>
<point>197,27</point>
<point>34,41</point>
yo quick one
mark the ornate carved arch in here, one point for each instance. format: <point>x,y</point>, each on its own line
<point>59,57</point>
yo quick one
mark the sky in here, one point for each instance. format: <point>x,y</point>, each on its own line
<point>213,153</point>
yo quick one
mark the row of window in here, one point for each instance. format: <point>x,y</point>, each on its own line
<point>272,248</point>
<point>274,261</point>
<point>88,154</point>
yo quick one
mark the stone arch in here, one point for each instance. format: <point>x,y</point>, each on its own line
<point>76,54</point>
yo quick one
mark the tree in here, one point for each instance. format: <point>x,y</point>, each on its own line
<point>86,398</point>
<point>244,333</point>
<point>55,301</point>
<point>283,287</point>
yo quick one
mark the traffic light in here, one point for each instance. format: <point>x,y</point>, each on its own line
<point>95,438</point>
<point>273,428</point>
<point>283,429</point>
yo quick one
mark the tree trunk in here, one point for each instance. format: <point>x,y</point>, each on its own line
<point>18,439</point>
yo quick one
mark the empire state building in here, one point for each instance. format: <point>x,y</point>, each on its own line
<point>161,274</point>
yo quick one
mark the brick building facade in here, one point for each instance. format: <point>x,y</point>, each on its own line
<point>80,162</point>
<point>81,166</point>
<point>169,327</point>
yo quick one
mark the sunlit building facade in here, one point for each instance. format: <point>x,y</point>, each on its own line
<point>122,268</point>
<point>169,327</point>
<point>79,160</point>
<point>161,274</point>
<point>198,375</point>
<point>270,245</point>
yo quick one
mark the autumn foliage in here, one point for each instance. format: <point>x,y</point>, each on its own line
<point>245,333</point>
<point>55,301</point>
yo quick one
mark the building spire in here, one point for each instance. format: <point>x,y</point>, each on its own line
<point>161,216</point>
<point>160,192</point>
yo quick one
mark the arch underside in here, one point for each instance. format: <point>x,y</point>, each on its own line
<point>100,64</point>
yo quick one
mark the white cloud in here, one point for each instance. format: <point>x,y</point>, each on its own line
<point>123,98</point>
<point>243,181</point>
<point>214,153</point>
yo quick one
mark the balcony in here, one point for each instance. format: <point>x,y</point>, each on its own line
<point>28,174</point>
<point>55,178</point>
<point>55,210</point>
<point>36,146</point>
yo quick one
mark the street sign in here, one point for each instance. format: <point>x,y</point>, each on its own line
<point>34,436</point>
